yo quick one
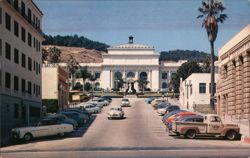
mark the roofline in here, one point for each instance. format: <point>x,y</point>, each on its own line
<point>36,7</point>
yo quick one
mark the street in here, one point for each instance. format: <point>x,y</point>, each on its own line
<point>140,134</point>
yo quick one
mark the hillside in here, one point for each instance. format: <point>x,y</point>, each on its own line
<point>75,41</point>
<point>190,55</point>
<point>82,55</point>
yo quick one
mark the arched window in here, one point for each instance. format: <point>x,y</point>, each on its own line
<point>144,75</point>
<point>118,75</point>
<point>130,74</point>
<point>164,85</point>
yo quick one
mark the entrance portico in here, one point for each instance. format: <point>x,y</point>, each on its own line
<point>130,62</point>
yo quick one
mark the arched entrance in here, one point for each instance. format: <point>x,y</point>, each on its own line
<point>117,80</point>
<point>130,81</point>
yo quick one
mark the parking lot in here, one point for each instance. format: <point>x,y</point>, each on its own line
<point>141,129</point>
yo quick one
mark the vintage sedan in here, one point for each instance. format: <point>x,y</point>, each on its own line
<point>115,112</point>
<point>44,128</point>
<point>125,102</point>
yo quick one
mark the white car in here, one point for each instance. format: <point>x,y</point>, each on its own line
<point>125,102</point>
<point>99,102</point>
<point>45,128</point>
<point>92,108</point>
<point>115,112</point>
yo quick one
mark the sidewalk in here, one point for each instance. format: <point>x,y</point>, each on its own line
<point>243,124</point>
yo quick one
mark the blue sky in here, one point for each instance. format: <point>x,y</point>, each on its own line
<point>164,24</point>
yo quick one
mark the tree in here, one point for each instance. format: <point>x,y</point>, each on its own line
<point>54,54</point>
<point>72,66</point>
<point>183,72</point>
<point>44,54</point>
<point>92,78</point>
<point>87,86</point>
<point>143,83</point>
<point>206,66</point>
<point>211,11</point>
<point>84,74</point>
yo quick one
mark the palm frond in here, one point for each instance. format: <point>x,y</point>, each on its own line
<point>200,16</point>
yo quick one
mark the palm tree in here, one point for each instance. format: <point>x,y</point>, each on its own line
<point>92,78</point>
<point>212,10</point>
<point>84,74</point>
<point>72,66</point>
<point>45,54</point>
<point>54,54</point>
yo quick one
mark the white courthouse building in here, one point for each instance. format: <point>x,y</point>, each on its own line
<point>132,61</point>
<point>20,64</point>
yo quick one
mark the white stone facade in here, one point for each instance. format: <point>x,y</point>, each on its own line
<point>195,91</point>
<point>131,61</point>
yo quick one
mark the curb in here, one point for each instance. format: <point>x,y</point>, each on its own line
<point>245,139</point>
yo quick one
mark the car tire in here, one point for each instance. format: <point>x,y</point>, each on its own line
<point>190,134</point>
<point>231,135</point>
<point>28,137</point>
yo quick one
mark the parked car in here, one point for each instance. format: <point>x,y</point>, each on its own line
<point>81,111</point>
<point>150,99</point>
<point>115,112</point>
<point>63,119</point>
<point>107,98</point>
<point>166,116</point>
<point>191,118</point>
<point>92,108</point>
<point>80,118</point>
<point>180,114</point>
<point>98,103</point>
<point>161,108</point>
<point>172,108</point>
<point>125,102</point>
<point>100,100</point>
<point>46,127</point>
<point>212,126</point>
<point>155,102</point>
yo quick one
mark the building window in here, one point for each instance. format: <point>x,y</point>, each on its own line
<point>97,75</point>
<point>7,21</point>
<point>191,89</point>
<point>39,46</point>
<point>29,88</point>
<point>36,68</point>
<point>34,65</point>
<point>16,56</point>
<point>164,85</point>
<point>1,49</point>
<point>16,5</point>
<point>34,42</point>
<point>30,64</point>
<point>16,83</point>
<point>29,15</point>
<point>23,60</point>
<point>7,51</point>
<point>36,45</point>
<point>39,69</point>
<point>23,85</point>
<point>16,28</point>
<point>39,90</point>
<point>0,15</point>
<point>23,9</point>
<point>0,77</point>
<point>34,88</point>
<point>202,87</point>
<point>16,111</point>
<point>23,34</point>
<point>29,40</point>
<point>164,76</point>
<point>7,80</point>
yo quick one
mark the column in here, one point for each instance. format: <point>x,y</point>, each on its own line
<point>238,87</point>
<point>150,79</point>
<point>136,79</point>
<point>231,88</point>
<point>246,89</point>
<point>111,79</point>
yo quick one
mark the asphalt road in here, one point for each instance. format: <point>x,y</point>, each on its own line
<point>140,134</point>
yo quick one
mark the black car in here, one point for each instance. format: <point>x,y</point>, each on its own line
<point>109,99</point>
<point>172,108</point>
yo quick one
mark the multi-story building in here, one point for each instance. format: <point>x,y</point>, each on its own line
<point>132,61</point>
<point>195,92</point>
<point>234,77</point>
<point>55,88</point>
<point>20,62</point>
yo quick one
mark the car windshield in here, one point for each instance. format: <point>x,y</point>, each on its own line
<point>124,99</point>
<point>119,109</point>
